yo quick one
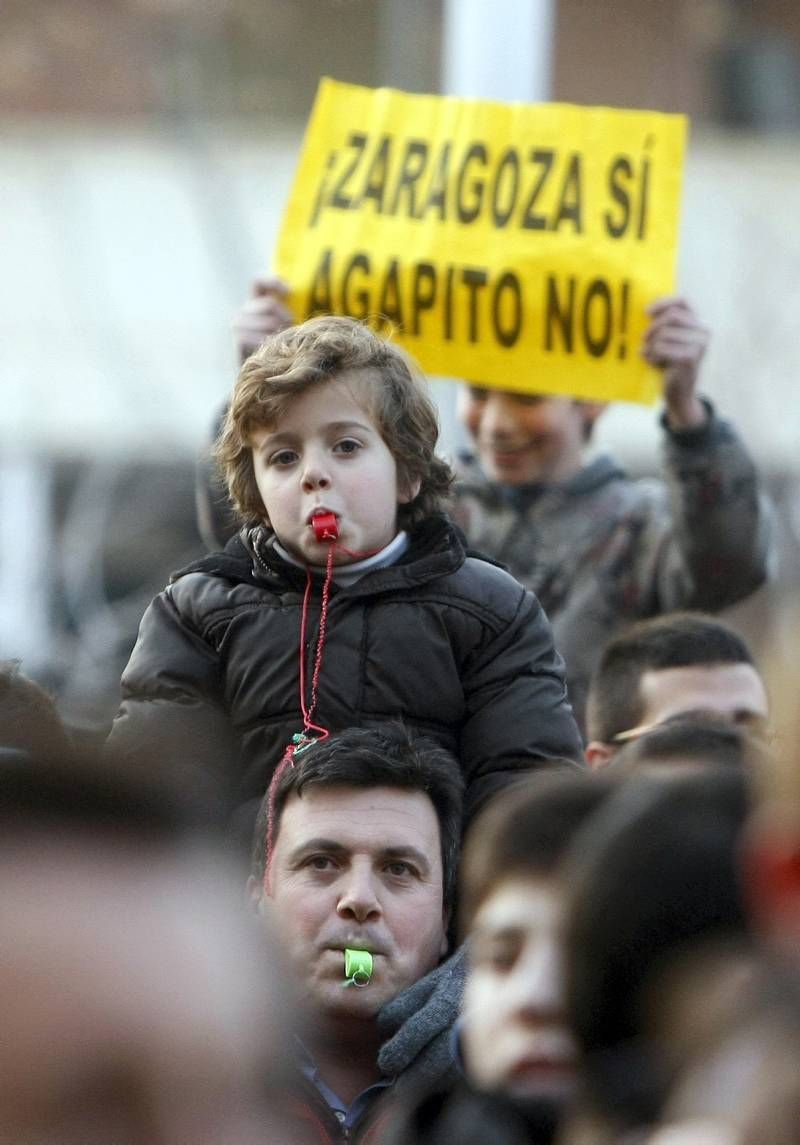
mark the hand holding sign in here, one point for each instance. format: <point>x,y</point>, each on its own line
<point>516,245</point>
<point>264,313</point>
<point>675,342</point>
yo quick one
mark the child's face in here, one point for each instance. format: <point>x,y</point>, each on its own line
<point>326,453</point>
<point>524,438</point>
<point>515,1037</point>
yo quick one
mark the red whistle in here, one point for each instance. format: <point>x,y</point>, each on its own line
<point>326,527</point>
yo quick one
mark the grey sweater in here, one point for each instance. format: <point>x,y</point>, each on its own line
<point>600,550</point>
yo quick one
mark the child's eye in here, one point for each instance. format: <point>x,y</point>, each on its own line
<point>282,457</point>
<point>478,393</point>
<point>347,445</point>
<point>496,955</point>
<point>502,956</point>
<point>502,961</point>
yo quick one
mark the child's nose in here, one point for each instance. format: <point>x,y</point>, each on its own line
<point>315,476</point>
<point>538,985</point>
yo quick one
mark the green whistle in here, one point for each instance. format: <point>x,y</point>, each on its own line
<point>358,967</point>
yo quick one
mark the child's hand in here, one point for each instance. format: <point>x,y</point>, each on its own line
<point>264,313</point>
<point>676,342</point>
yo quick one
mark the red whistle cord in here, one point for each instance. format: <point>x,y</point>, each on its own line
<point>326,527</point>
<point>308,712</point>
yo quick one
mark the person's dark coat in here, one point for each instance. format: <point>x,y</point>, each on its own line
<point>463,1115</point>
<point>446,641</point>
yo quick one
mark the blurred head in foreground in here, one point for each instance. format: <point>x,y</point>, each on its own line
<point>655,892</point>
<point>772,845</point>
<point>514,1033</point>
<point>741,1078</point>
<point>687,744</point>
<point>740,1081</point>
<point>135,1000</point>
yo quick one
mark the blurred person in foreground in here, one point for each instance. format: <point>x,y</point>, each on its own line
<point>598,549</point>
<point>685,665</point>
<point>518,1058</point>
<point>355,849</point>
<point>772,852</point>
<point>657,905</point>
<point>735,1035</point>
<point>743,1076</point>
<point>738,1081</point>
<point>136,1003</point>
<point>685,743</point>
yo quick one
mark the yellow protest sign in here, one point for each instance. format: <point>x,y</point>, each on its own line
<point>515,245</point>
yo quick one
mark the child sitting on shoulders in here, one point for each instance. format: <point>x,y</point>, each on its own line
<point>347,598</point>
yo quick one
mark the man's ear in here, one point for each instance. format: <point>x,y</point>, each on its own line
<point>407,494</point>
<point>599,754</point>
<point>254,892</point>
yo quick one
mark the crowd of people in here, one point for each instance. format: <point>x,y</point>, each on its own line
<point>439,807</point>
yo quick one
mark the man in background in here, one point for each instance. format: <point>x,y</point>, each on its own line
<point>686,665</point>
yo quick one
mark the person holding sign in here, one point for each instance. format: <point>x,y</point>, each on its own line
<point>347,598</point>
<point>598,549</point>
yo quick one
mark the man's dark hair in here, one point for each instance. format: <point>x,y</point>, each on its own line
<point>692,740</point>
<point>385,756</point>
<point>525,833</point>
<point>655,877</point>
<point>679,640</point>
<point>29,719</point>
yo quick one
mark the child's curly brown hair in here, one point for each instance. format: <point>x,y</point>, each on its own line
<point>291,362</point>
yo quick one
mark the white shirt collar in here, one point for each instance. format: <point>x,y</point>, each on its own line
<point>348,574</point>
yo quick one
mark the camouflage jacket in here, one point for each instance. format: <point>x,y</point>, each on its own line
<point>600,550</point>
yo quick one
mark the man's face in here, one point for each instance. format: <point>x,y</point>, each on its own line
<point>730,691</point>
<point>525,438</point>
<point>326,454</point>
<point>358,868</point>
<point>515,1037</point>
